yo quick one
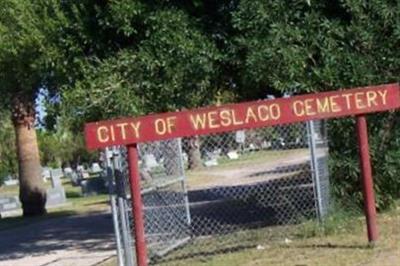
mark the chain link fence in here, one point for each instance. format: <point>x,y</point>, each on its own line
<point>215,194</point>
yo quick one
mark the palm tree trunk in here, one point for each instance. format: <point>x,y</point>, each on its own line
<point>32,192</point>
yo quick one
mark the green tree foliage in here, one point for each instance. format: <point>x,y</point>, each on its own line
<point>135,57</point>
<point>27,53</point>
<point>303,46</point>
<point>157,59</point>
<point>63,148</point>
<point>8,156</point>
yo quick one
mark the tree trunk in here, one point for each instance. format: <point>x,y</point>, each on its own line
<point>32,192</point>
<point>194,155</point>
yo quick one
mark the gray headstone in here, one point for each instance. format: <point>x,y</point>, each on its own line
<point>55,196</point>
<point>46,172</point>
<point>9,206</point>
<point>56,175</point>
<point>75,178</point>
<point>240,136</point>
<point>58,172</point>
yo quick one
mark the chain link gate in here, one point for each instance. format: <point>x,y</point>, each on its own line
<point>218,193</point>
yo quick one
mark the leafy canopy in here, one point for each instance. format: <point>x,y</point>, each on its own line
<point>27,53</point>
<point>158,59</point>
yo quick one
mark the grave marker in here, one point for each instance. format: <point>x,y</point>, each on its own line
<point>56,194</point>
<point>9,206</point>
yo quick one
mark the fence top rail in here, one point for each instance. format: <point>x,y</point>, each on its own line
<point>230,117</point>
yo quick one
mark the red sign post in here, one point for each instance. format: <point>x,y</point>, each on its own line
<point>367,182</point>
<point>230,117</point>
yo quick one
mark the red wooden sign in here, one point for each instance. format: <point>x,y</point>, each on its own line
<point>231,117</point>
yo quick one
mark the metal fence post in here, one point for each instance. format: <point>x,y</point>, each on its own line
<point>367,182</point>
<point>122,213</point>
<point>137,206</point>
<point>183,182</point>
<point>314,168</point>
<point>110,176</point>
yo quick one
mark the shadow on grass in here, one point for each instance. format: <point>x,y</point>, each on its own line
<point>329,246</point>
<point>203,255</point>
<point>55,232</point>
<point>106,202</point>
<point>12,222</point>
<point>73,194</point>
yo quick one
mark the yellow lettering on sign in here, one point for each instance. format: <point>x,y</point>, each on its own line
<point>136,127</point>
<point>160,126</point>
<point>309,107</point>
<point>298,108</point>
<point>198,121</point>
<point>347,97</point>
<point>358,96</point>
<point>334,105</point>
<point>383,95</point>
<point>102,134</point>
<point>235,121</point>
<point>212,119</point>
<point>250,115</point>
<point>263,112</point>
<point>226,119</point>
<point>371,98</point>
<point>275,111</point>
<point>112,133</point>
<point>323,105</point>
<point>171,124</point>
<point>122,127</point>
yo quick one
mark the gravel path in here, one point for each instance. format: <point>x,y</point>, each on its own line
<point>255,173</point>
<point>72,240</point>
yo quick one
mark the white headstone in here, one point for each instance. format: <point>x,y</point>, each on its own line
<point>11,182</point>
<point>96,168</point>
<point>150,160</point>
<point>240,136</point>
<point>185,157</point>
<point>56,172</point>
<point>68,170</point>
<point>233,155</point>
<point>212,162</point>
<point>266,144</point>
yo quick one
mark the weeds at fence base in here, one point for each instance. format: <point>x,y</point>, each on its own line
<point>340,241</point>
<point>205,248</point>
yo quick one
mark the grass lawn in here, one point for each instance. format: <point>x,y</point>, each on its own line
<point>76,204</point>
<point>257,157</point>
<point>342,242</point>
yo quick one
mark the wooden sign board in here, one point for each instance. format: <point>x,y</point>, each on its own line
<point>246,115</point>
